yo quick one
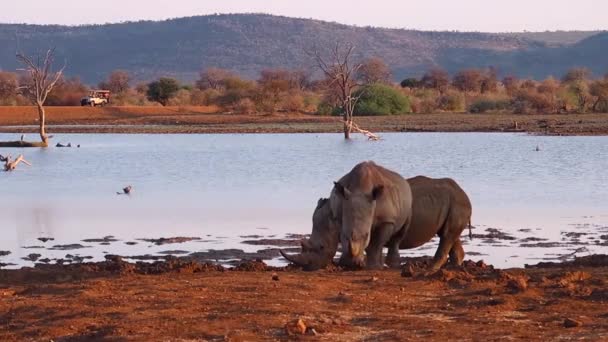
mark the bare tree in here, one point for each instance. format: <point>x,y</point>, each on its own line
<point>374,70</point>
<point>341,73</point>
<point>41,80</point>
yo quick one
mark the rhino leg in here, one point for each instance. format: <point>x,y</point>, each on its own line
<point>441,256</point>
<point>380,238</point>
<point>392,258</point>
<point>457,253</point>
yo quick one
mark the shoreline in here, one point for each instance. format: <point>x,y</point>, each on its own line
<point>178,299</point>
<point>207,120</point>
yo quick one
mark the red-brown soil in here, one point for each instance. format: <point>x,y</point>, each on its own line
<point>178,300</point>
<point>191,119</point>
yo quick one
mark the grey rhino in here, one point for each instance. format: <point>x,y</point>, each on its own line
<point>374,207</point>
<point>440,207</point>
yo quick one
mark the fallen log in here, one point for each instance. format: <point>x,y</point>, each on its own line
<point>10,165</point>
<point>368,134</point>
<point>22,143</point>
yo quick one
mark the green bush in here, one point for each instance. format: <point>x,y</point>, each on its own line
<point>381,99</point>
<point>452,102</point>
<point>489,105</point>
<point>163,90</point>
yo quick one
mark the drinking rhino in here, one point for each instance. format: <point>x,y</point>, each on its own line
<point>370,207</point>
<point>440,207</point>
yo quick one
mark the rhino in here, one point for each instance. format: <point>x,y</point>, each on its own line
<point>373,206</point>
<point>440,207</point>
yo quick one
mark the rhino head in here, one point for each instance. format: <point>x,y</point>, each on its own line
<point>320,249</point>
<point>358,212</point>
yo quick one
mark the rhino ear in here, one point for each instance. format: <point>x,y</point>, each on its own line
<point>321,202</point>
<point>377,192</point>
<point>341,190</point>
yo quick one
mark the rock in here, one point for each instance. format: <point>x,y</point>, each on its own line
<point>408,271</point>
<point>4,253</point>
<point>32,257</point>
<point>296,327</point>
<point>275,277</point>
<point>517,284</point>
<point>45,239</point>
<point>570,323</point>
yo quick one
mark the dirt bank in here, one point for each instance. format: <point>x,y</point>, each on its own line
<point>208,120</point>
<point>186,301</point>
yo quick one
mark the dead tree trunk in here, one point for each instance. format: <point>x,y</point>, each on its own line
<point>42,119</point>
<point>340,74</point>
<point>10,165</point>
<point>40,82</point>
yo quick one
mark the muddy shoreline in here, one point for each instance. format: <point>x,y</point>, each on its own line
<point>200,120</point>
<point>179,299</point>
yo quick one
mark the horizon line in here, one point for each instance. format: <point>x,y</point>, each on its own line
<point>83,25</point>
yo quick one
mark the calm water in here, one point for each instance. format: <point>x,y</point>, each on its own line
<point>221,187</point>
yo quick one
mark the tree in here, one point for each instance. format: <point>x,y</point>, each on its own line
<point>489,81</point>
<point>40,82</point>
<point>511,84</point>
<point>576,75</point>
<point>273,83</point>
<point>374,70</point>
<point>436,78</point>
<point>340,72</point>
<point>599,90</point>
<point>411,82</point>
<point>213,78</point>
<point>8,87</point>
<point>381,99</point>
<point>117,82</point>
<point>468,80</point>
<point>67,92</point>
<point>163,90</point>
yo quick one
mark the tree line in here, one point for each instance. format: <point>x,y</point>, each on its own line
<point>282,90</point>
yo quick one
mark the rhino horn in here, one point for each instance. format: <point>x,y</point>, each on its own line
<point>305,245</point>
<point>309,261</point>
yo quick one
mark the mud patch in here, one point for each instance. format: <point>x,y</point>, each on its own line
<point>273,242</point>
<point>4,253</point>
<point>493,235</point>
<point>68,247</point>
<point>105,239</point>
<point>32,257</point>
<point>171,240</point>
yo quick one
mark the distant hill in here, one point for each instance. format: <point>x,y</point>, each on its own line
<point>247,43</point>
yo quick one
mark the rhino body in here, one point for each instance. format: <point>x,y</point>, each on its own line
<point>440,207</point>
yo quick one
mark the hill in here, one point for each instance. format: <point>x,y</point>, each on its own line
<point>247,43</point>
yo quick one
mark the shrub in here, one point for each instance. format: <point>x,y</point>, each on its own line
<point>381,99</point>
<point>484,105</point>
<point>245,106</point>
<point>163,90</point>
<point>293,102</point>
<point>325,108</point>
<point>410,83</point>
<point>451,102</point>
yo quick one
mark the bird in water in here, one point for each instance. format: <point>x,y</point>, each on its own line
<point>537,148</point>
<point>22,137</point>
<point>126,190</point>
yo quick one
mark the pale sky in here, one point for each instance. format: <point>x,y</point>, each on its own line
<point>462,15</point>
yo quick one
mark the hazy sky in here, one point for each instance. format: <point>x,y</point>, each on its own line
<point>463,15</point>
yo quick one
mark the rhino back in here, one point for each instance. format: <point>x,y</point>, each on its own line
<point>435,201</point>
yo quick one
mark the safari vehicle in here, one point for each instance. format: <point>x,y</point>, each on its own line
<point>96,98</point>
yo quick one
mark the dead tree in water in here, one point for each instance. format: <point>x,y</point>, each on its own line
<point>340,73</point>
<point>40,82</point>
<point>10,165</point>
